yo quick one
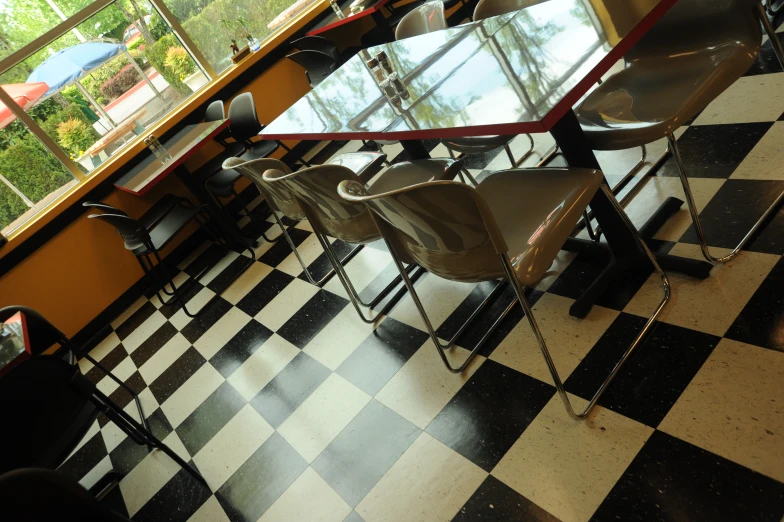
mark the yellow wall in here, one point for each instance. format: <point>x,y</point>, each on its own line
<point>78,273</point>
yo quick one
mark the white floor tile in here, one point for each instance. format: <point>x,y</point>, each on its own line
<point>323,504</point>
<point>164,357</point>
<point>190,395</point>
<point>338,339</point>
<point>749,99</point>
<point>286,304</point>
<point>262,366</point>
<point>221,332</point>
<point>246,282</point>
<point>144,331</point>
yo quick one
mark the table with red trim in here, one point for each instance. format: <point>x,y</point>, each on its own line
<point>152,170</point>
<point>332,21</point>
<point>517,73</point>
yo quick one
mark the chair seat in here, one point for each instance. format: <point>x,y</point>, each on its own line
<point>536,211</point>
<point>168,227</point>
<point>260,149</point>
<point>363,164</point>
<point>159,209</point>
<point>409,173</point>
<point>654,96</point>
<point>477,144</point>
<point>222,184</point>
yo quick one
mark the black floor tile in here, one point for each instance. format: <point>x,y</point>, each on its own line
<point>114,501</point>
<point>177,501</point>
<point>264,292</point>
<point>273,467</point>
<point>121,397</point>
<point>489,413</point>
<point>85,458</point>
<point>381,355</point>
<point>766,62</point>
<point>734,209</point>
<point>210,417</point>
<point>494,501</point>
<point>321,266</point>
<point>175,375</point>
<point>135,320</point>
<point>208,258</point>
<point>229,274</point>
<point>187,292</point>
<point>484,321</point>
<point>240,347</point>
<point>363,452</point>
<point>309,320</point>
<point>289,388</point>
<point>670,479</point>
<point>714,151</point>
<point>204,321</point>
<point>353,517</point>
<point>128,454</point>
<point>652,378</point>
<point>380,282</point>
<point>153,343</point>
<point>281,250</point>
<point>762,320</point>
<point>110,362</point>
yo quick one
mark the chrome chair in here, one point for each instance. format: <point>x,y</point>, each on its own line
<point>282,201</point>
<point>697,50</point>
<point>488,8</point>
<point>510,227</point>
<point>315,190</point>
<point>426,18</point>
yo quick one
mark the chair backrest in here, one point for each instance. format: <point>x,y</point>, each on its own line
<point>444,226</point>
<point>700,24</point>
<point>47,413</point>
<point>103,206</point>
<point>426,18</point>
<point>244,122</point>
<point>488,8</point>
<point>316,190</point>
<point>316,43</point>
<point>317,64</point>
<point>278,195</point>
<point>41,332</point>
<point>217,112</point>
<point>132,232</point>
<point>34,494</point>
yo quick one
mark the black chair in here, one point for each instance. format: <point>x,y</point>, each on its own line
<point>317,64</point>
<point>44,334</point>
<point>216,112</point>
<point>146,243</point>
<point>36,494</point>
<point>49,406</point>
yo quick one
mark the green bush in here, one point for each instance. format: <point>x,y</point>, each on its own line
<point>72,112</point>
<point>33,169</point>
<point>121,82</point>
<point>157,26</point>
<point>11,206</point>
<point>93,81</point>
<point>156,54</point>
<point>74,136</point>
<point>136,44</point>
<point>179,62</point>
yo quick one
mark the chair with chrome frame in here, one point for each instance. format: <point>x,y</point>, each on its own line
<point>315,190</point>
<point>697,50</point>
<point>426,18</point>
<point>509,228</point>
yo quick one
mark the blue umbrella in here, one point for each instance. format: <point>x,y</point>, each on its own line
<point>71,64</point>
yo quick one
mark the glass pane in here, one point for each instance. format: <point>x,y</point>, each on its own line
<point>31,177</point>
<point>205,21</point>
<point>108,96</point>
<point>23,21</point>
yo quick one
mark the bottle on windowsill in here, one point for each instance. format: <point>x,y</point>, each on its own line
<point>337,9</point>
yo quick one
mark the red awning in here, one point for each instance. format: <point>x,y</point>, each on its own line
<point>24,94</point>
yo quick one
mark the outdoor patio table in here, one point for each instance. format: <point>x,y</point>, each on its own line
<point>521,72</point>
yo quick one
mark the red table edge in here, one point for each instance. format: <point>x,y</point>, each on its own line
<point>544,125</point>
<point>348,19</point>
<point>174,164</point>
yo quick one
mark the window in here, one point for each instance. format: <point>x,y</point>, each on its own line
<point>82,78</point>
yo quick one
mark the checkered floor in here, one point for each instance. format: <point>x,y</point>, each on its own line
<point>293,409</point>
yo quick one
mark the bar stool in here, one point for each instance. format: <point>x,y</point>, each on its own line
<point>315,191</point>
<point>509,228</point>
<point>697,50</point>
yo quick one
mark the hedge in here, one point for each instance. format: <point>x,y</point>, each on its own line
<point>156,54</point>
<point>11,206</point>
<point>121,82</point>
<point>31,168</point>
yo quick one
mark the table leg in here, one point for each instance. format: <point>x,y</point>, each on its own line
<point>415,149</point>
<point>229,229</point>
<point>383,25</point>
<point>620,248</point>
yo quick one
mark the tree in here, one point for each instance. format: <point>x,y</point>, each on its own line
<point>138,21</point>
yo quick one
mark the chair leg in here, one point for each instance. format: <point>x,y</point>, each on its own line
<point>778,49</point>
<point>510,275</point>
<point>123,386</point>
<point>695,215</point>
<point>547,158</point>
<point>516,163</point>
<point>443,347</point>
<point>177,294</point>
<point>138,433</point>
<point>464,171</point>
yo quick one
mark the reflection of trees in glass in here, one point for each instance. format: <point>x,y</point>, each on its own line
<point>581,14</point>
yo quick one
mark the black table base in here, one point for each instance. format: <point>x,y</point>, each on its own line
<point>620,251</point>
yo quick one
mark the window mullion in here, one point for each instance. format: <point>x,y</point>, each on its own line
<point>189,44</point>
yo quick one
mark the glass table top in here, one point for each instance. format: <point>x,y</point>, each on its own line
<point>514,73</point>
